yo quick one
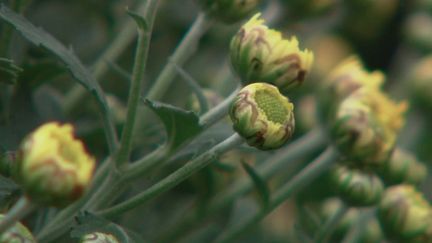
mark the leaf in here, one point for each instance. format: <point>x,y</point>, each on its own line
<point>39,72</point>
<point>260,184</point>
<point>41,38</point>
<point>89,223</point>
<point>8,71</point>
<point>180,125</point>
<point>139,20</point>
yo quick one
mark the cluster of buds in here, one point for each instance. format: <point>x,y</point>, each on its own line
<point>54,168</point>
<point>405,215</point>
<point>17,233</point>
<point>229,11</point>
<point>99,237</point>
<point>260,54</point>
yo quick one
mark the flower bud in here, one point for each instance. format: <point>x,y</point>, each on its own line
<point>229,11</point>
<point>403,167</point>
<point>357,187</point>
<point>18,233</point>
<point>366,127</point>
<point>262,54</point>
<point>420,82</point>
<point>263,116</point>
<point>405,214</point>
<point>418,31</point>
<point>99,237</point>
<point>54,168</point>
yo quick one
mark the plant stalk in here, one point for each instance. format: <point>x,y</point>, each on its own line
<point>21,209</point>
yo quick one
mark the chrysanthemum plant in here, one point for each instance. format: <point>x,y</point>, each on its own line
<point>199,158</point>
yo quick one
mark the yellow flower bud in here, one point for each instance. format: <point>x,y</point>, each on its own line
<point>99,237</point>
<point>405,214</point>
<point>367,124</point>
<point>263,116</point>
<point>54,169</point>
<point>229,11</point>
<point>18,233</point>
<point>262,54</point>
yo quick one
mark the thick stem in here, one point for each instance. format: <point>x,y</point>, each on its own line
<point>173,179</point>
<point>303,178</point>
<point>219,111</point>
<point>21,209</point>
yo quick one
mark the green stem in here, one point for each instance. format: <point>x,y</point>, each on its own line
<point>173,179</point>
<point>21,209</point>
<point>144,37</point>
<point>327,229</point>
<point>146,164</point>
<point>304,177</point>
<point>286,157</point>
<point>219,111</point>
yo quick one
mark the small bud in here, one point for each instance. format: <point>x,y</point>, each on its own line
<point>420,82</point>
<point>405,214</point>
<point>263,116</point>
<point>366,127</point>
<point>262,54</point>
<point>54,168</point>
<point>18,233</point>
<point>357,187</point>
<point>309,8</point>
<point>99,237</point>
<point>418,30</point>
<point>403,167</point>
<point>229,11</point>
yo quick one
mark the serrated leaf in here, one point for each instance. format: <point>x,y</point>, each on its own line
<point>41,38</point>
<point>139,20</point>
<point>260,184</point>
<point>8,71</point>
<point>89,223</point>
<point>181,125</point>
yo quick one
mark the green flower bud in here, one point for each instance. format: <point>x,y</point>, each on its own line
<point>54,169</point>
<point>263,116</point>
<point>99,237</point>
<point>357,187</point>
<point>18,233</point>
<point>420,82</point>
<point>262,54</point>
<point>229,11</point>
<point>418,30</point>
<point>405,214</point>
<point>309,8</point>
<point>403,167</point>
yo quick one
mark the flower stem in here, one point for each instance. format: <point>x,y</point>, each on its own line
<point>304,177</point>
<point>21,209</point>
<point>144,37</point>
<point>173,179</point>
<point>327,229</point>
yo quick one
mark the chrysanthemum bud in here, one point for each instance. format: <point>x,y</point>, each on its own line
<point>54,168</point>
<point>263,116</point>
<point>99,237</point>
<point>405,214</point>
<point>229,11</point>
<point>418,30</point>
<point>420,82</point>
<point>18,233</point>
<point>367,124</point>
<point>403,167</point>
<point>262,54</point>
<point>357,187</point>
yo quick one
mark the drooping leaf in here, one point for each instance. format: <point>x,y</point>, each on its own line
<point>89,223</point>
<point>8,71</point>
<point>259,183</point>
<point>180,125</point>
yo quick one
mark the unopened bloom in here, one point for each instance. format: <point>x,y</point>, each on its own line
<point>99,237</point>
<point>262,54</point>
<point>405,214</point>
<point>420,82</point>
<point>17,233</point>
<point>367,124</point>
<point>229,11</point>
<point>263,116</point>
<point>357,187</point>
<point>54,169</point>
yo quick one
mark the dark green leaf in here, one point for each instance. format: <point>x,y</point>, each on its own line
<point>180,124</point>
<point>260,184</point>
<point>8,71</point>
<point>89,223</point>
<point>139,20</point>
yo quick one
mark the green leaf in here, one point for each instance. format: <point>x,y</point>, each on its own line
<point>89,223</point>
<point>180,125</point>
<point>41,38</point>
<point>259,183</point>
<point>8,71</point>
<point>139,20</point>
